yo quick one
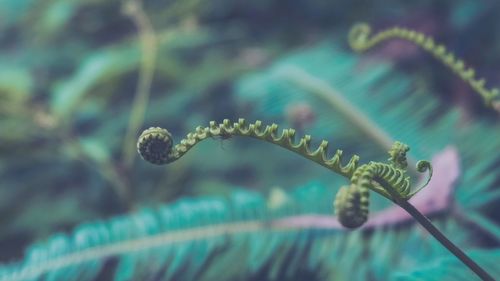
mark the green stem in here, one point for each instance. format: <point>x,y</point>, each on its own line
<point>427,224</point>
<point>148,41</point>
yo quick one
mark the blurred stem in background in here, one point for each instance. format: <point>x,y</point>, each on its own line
<point>148,41</point>
<point>104,166</point>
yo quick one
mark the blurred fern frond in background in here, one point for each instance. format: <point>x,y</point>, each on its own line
<point>361,39</point>
<point>68,79</point>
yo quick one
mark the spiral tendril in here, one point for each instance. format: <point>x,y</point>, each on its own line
<point>149,148</point>
<point>351,203</point>
<point>361,39</point>
<point>397,155</point>
<point>154,145</point>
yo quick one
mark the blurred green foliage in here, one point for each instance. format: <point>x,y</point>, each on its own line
<point>69,72</point>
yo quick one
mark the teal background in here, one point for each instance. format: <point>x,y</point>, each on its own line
<point>80,79</point>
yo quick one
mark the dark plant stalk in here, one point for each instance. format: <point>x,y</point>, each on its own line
<point>427,224</point>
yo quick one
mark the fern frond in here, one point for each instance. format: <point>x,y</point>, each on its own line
<point>391,97</point>
<point>194,239</point>
<point>360,39</point>
<point>155,144</point>
<point>378,93</point>
<point>191,231</point>
<point>201,238</point>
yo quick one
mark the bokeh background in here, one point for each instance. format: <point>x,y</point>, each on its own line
<point>80,79</point>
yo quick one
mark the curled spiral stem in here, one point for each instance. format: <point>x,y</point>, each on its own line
<point>156,146</point>
<point>351,203</point>
<point>390,180</point>
<point>360,39</point>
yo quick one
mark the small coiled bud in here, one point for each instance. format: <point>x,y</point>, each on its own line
<point>351,206</point>
<point>154,145</point>
<point>397,155</point>
<point>358,37</point>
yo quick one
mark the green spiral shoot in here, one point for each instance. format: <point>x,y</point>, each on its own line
<point>351,205</point>
<point>351,202</point>
<point>155,145</point>
<point>360,39</point>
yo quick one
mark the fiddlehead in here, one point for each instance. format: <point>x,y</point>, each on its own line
<point>155,144</point>
<point>397,155</point>
<point>351,203</point>
<point>361,39</point>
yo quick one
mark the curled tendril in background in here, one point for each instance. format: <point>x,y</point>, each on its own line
<point>155,145</point>
<point>360,39</point>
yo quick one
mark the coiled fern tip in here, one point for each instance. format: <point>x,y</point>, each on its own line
<point>154,145</point>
